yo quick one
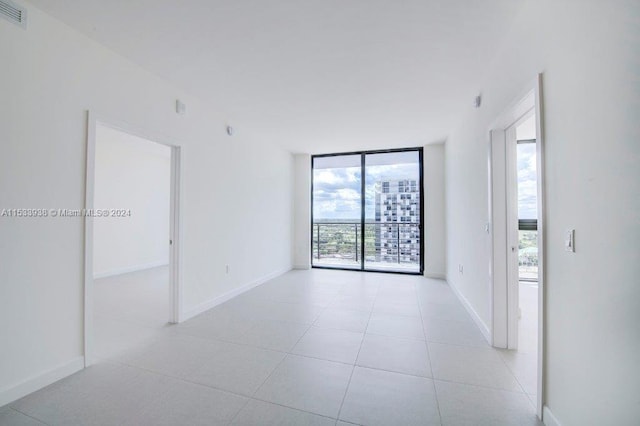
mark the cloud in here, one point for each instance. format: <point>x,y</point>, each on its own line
<point>336,192</point>
<point>527,182</point>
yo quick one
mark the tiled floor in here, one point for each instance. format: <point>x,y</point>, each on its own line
<point>315,347</point>
<point>129,309</point>
<point>523,362</point>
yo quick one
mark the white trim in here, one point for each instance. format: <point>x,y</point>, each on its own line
<point>302,267</point>
<point>128,269</point>
<point>548,418</point>
<point>484,329</point>
<point>175,227</point>
<point>92,122</point>
<point>518,108</point>
<point>175,299</point>
<point>542,238</point>
<point>530,98</point>
<point>497,214</point>
<point>513,269</point>
<point>34,383</point>
<point>205,306</point>
<point>435,276</point>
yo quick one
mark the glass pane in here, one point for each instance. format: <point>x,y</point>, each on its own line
<point>527,209</point>
<point>336,211</point>
<point>528,255</point>
<point>527,187</point>
<point>392,211</point>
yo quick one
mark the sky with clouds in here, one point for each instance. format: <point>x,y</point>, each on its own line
<point>336,190</point>
<point>527,188</point>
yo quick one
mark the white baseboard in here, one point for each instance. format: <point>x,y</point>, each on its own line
<point>435,276</point>
<point>303,267</point>
<point>128,269</point>
<point>484,329</point>
<point>34,383</point>
<point>548,418</point>
<point>205,306</point>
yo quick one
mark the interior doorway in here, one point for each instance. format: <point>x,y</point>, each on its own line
<point>527,234</point>
<point>131,239</point>
<point>516,228</point>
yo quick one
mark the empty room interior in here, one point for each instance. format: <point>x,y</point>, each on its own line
<point>420,212</point>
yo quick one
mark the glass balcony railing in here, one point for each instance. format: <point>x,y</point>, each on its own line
<point>387,246</point>
<point>528,255</point>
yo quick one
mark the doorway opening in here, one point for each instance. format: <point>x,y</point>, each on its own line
<point>516,211</point>
<point>131,239</point>
<point>367,210</point>
<point>527,230</point>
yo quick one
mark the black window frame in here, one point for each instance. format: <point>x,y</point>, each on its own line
<point>363,155</point>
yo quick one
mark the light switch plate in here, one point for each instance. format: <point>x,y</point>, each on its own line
<point>569,241</point>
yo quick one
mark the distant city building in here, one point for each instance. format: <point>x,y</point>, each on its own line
<point>398,212</point>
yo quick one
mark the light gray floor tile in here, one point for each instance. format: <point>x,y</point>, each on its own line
<point>277,311</point>
<point>470,405</point>
<point>524,367</point>
<point>383,306</point>
<point>343,319</point>
<point>99,404</point>
<point>114,338</point>
<point>274,335</point>
<point>304,295</point>
<point>383,398</point>
<point>365,290</point>
<point>395,326</point>
<point>446,312</point>
<point>354,302</point>
<point>312,385</point>
<point>276,316</point>
<point>407,356</point>
<point>471,365</point>
<point>176,355</point>
<point>118,297</point>
<point>397,295</point>
<point>11,417</point>
<point>236,368</point>
<point>260,413</point>
<point>189,404</point>
<point>221,324</point>
<point>330,344</point>
<point>435,291</point>
<point>464,332</point>
<point>101,375</point>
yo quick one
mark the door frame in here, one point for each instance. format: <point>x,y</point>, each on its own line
<point>363,155</point>
<point>175,289</point>
<point>500,215</point>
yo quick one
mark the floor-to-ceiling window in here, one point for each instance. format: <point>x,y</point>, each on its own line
<point>367,211</point>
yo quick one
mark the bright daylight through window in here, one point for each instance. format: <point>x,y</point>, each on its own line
<point>379,192</point>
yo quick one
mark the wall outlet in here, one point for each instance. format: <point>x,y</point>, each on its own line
<point>460,268</point>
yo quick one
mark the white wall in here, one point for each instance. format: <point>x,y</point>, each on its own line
<point>434,214</point>
<point>302,212</point>
<point>589,53</point>
<point>236,192</point>
<point>132,174</point>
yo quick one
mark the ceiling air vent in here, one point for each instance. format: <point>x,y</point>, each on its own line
<point>13,13</point>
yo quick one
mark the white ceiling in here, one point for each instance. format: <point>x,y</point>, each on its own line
<point>312,76</point>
